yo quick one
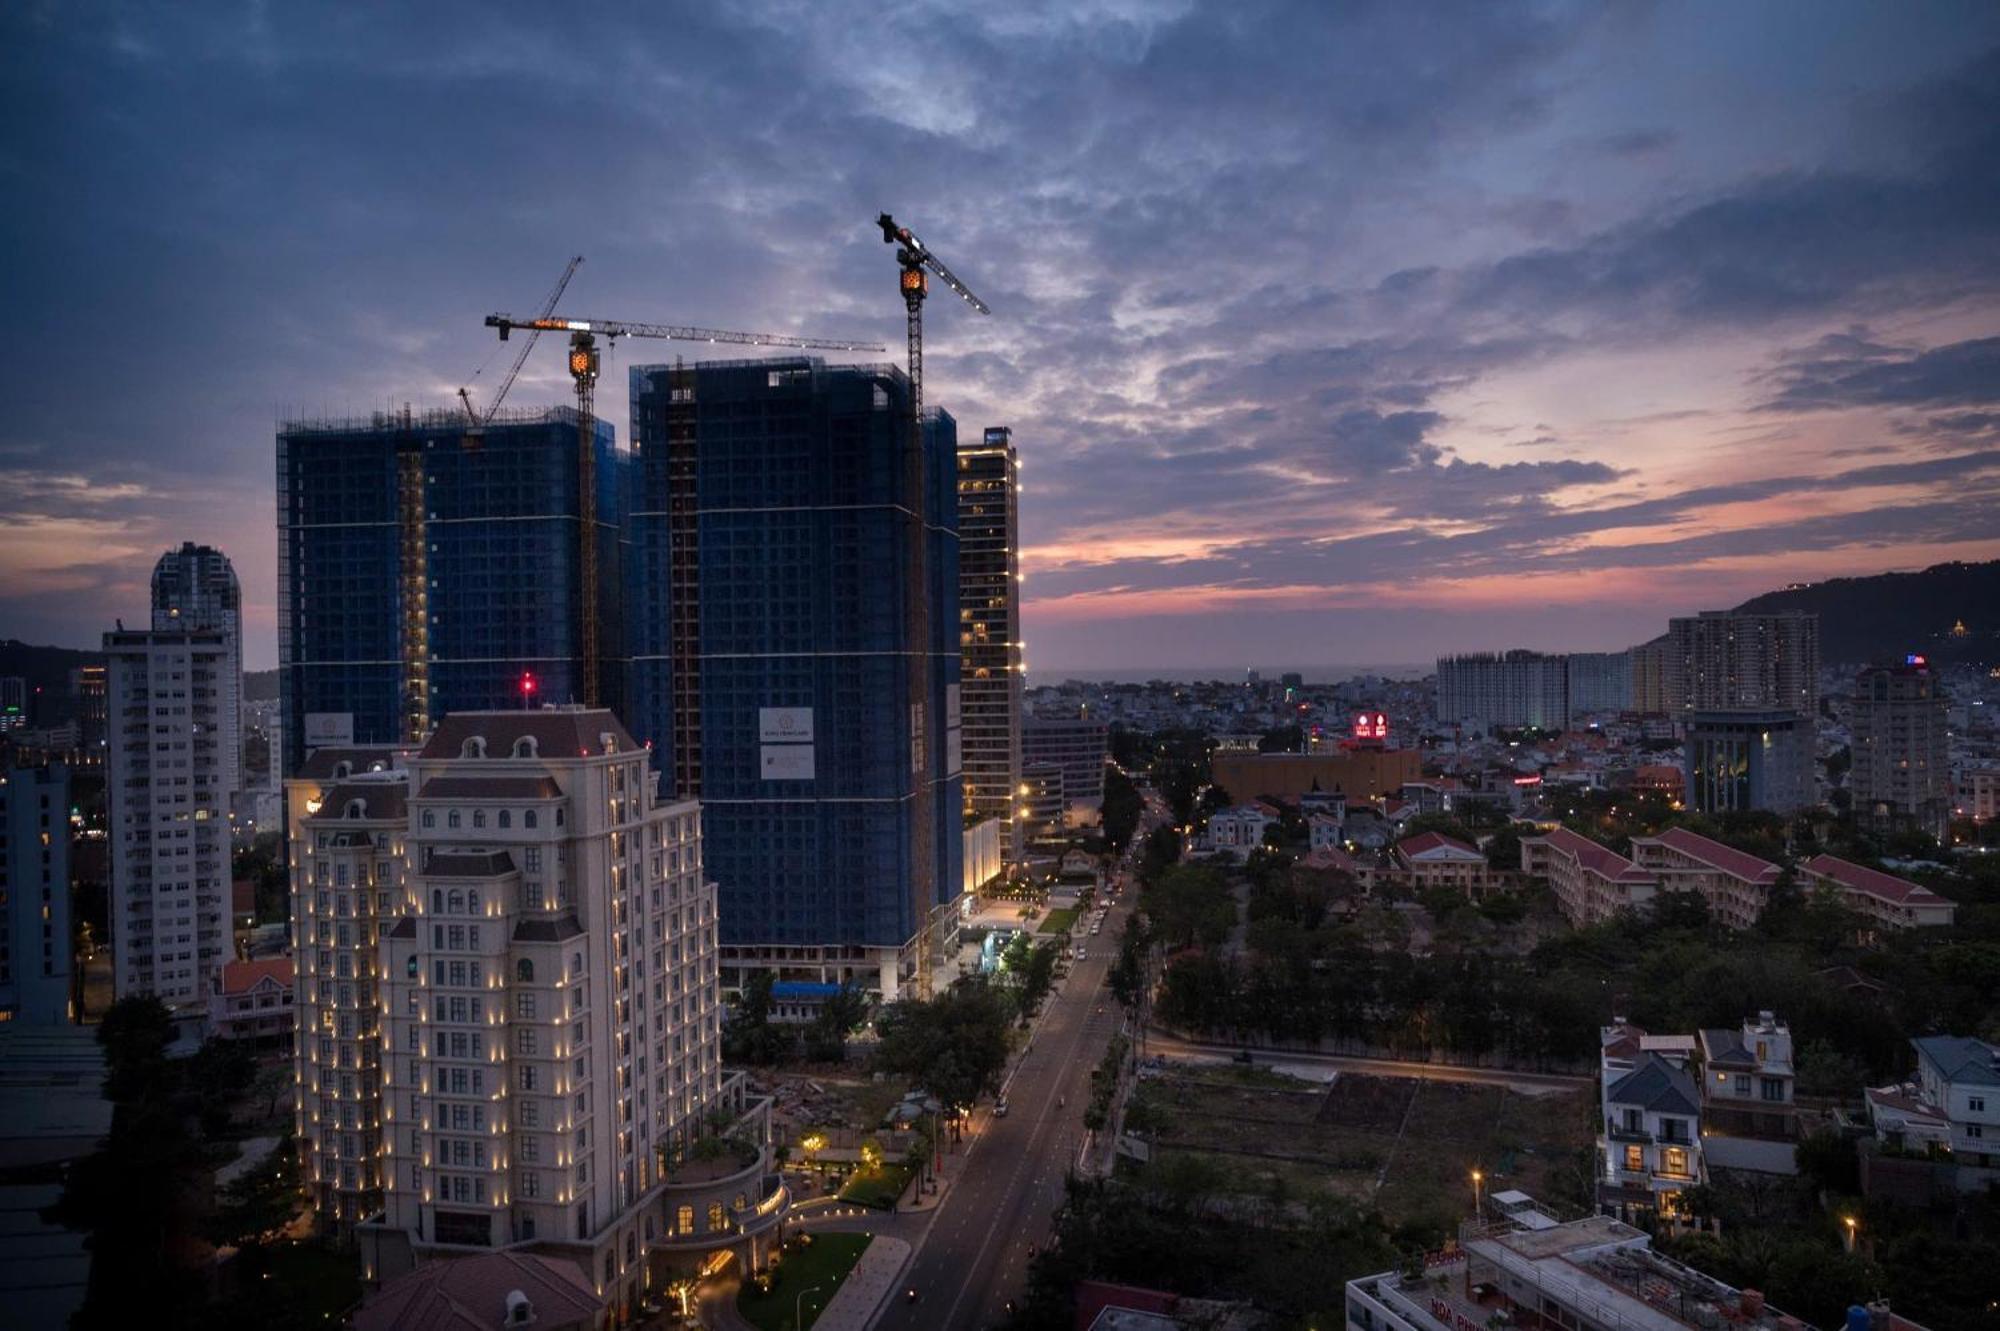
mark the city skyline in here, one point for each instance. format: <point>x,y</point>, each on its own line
<point>1480,330</point>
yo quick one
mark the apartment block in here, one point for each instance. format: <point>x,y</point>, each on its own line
<point>991,669</point>
<point>1598,682</point>
<point>1591,882</point>
<point>1432,859</point>
<point>1077,744</point>
<point>1737,886</point>
<point>1886,901</point>
<point>173,760</point>
<point>1512,689</point>
<point>1721,660</point>
<point>35,950</point>
<point>1901,775</point>
<point>195,587</point>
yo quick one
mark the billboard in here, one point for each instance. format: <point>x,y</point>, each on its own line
<point>329,728</point>
<point>785,725</point>
<point>787,762</point>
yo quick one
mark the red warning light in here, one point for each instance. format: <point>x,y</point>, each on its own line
<point>527,684</point>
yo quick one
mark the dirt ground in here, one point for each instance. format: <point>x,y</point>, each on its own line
<point>1404,1145</point>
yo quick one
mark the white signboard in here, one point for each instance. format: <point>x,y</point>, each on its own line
<point>785,725</point>
<point>950,705</point>
<point>954,751</point>
<point>329,728</point>
<point>788,762</point>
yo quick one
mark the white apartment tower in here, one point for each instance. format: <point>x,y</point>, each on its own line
<point>546,1040</point>
<point>173,755</point>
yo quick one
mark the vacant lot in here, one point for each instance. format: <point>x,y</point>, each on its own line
<point>1059,921</point>
<point>1404,1145</point>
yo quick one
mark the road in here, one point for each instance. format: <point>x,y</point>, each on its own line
<point>1162,1045</point>
<point>975,1255</point>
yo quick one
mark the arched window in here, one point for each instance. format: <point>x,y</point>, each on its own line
<point>341,770</point>
<point>576,963</point>
<point>525,971</point>
<point>479,817</point>
<point>430,818</point>
<point>472,900</point>
<point>524,747</point>
<point>475,747</point>
<point>559,815</point>
<point>452,819</point>
<point>506,818</point>
<point>357,809</point>
<point>457,900</point>
<point>528,818</point>
<point>437,901</point>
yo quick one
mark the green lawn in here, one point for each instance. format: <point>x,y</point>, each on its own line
<point>1058,921</point>
<point>879,1187</point>
<point>820,1267</point>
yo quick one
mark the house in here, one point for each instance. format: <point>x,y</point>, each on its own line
<point>1887,901</point>
<point>252,1000</point>
<point>1748,1083</point>
<point>1961,1076</point>
<point>1649,1143</point>
<point>1432,859</point>
<point>1736,886</point>
<point>1591,882</point>
<point>1239,830</point>
<point>492,1291</point>
<point>1323,831</point>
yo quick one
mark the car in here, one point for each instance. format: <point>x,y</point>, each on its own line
<point>1081,954</point>
<point>1000,1107</point>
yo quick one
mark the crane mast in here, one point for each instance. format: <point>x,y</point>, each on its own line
<point>916,264</point>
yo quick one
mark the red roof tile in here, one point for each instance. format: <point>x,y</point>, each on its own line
<point>1424,842</point>
<point>240,977</point>
<point>1718,856</point>
<point>1600,860</point>
<point>1872,882</point>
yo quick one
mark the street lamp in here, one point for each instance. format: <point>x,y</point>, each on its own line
<point>798,1316</point>
<point>1477,1179</point>
<point>1849,1223</point>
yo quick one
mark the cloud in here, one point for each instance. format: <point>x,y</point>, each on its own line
<point>1961,374</point>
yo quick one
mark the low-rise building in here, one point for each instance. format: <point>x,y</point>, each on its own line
<point>1591,882</point>
<point>1323,831</point>
<point>1238,831</point>
<point>1737,886</point>
<point>1432,859</point>
<point>1649,1140</point>
<point>1748,1081</point>
<point>1887,901</point>
<point>252,1000</point>
<point>493,1291</point>
<point>1961,1076</point>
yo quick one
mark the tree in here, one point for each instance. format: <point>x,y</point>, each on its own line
<point>749,1035</point>
<point>1123,806</point>
<point>839,1016</point>
<point>955,1045</point>
<point>1503,848</point>
<point>255,1206</point>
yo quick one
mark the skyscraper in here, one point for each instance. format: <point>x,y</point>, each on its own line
<point>1901,776</point>
<point>35,947</point>
<point>989,629</point>
<point>772,655</point>
<point>1599,682</point>
<point>173,755</point>
<point>195,587</point>
<point>1517,688</point>
<point>425,568</point>
<point>1723,660</point>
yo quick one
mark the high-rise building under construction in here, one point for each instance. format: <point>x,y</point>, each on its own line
<point>771,656</point>
<point>427,567</point>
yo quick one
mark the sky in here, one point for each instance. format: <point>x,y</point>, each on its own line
<point>1328,332</point>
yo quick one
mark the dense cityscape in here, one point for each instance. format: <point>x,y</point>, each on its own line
<point>582,859</point>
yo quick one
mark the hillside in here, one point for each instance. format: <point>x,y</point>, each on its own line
<point>1882,618</point>
<point>44,667</point>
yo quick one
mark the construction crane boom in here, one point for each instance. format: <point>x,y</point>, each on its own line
<point>514,370</point>
<point>610,328</point>
<point>917,263</point>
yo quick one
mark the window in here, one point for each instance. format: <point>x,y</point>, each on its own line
<point>528,1041</point>
<point>717,1218</point>
<point>524,747</point>
<point>452,819</point>
<point>479,817</point>
<point>531,1149</point>
<point>1635,1159</point>
<point>531,1183</point>
<point>430,818</point>
<point>530,1076</point>
<point>1974,1130</point>
<point>1977,1104</point>
<point>506,818</point>
<point>684,1220</point>
<point>1674,1160</point>
<point>524,1006</point>
<point>1743,1083</point>
<point>1773,1089</point>
<point>528,818</point>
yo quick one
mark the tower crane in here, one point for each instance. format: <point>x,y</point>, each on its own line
<point>583,367</point>
<point>917,264</point>
<point>472,416</point>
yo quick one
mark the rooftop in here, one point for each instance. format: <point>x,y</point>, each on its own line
<point>557,733</point>
<point>1872,882</point>
<point>1656,1084</point>
<point>472,1294</point>
<point>1600,860</point>
<point>1960,1058</point>
<point>1715,855</point>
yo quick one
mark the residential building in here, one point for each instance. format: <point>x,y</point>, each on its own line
<point>86,699</point>
<point>1079,745</point>
<point>35,950</point>
<point>1510,689</point>
<point>1591,882</point>
<point>1237,831</point>
<point>1356,775</point>
<point>1735,885</point>
<point>1723,660</point>
<point>253,1000</point>
<point>544,1054</point>
<point>1888,902</point>
<point>796,663</point>
<point>174,758</point>
<point>499,1291</point>
<point>1748,1082</point>
<point>1650,1135</point>
<point>1960,1077</point>
<point>1432,859</point>
<point>1901,774</point>
<point>1737,761</point>
<point>991,668</point>
<point>1323,831</point>
<point>195,587</point>
<point>1598,682</point>
<point>1521,1264</point>
<point>1983,794</point>
<point>403,542</point>
<point>1649,675</point>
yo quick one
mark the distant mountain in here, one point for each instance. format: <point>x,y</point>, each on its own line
<point>1890,615</point>
<point>43,667</point>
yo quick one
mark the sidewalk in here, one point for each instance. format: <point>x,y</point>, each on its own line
<point>872,1282</point>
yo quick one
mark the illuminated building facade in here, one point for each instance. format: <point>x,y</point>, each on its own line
<point>1901,775</point>
<point>1512,689</point>
<point>989,629</point>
